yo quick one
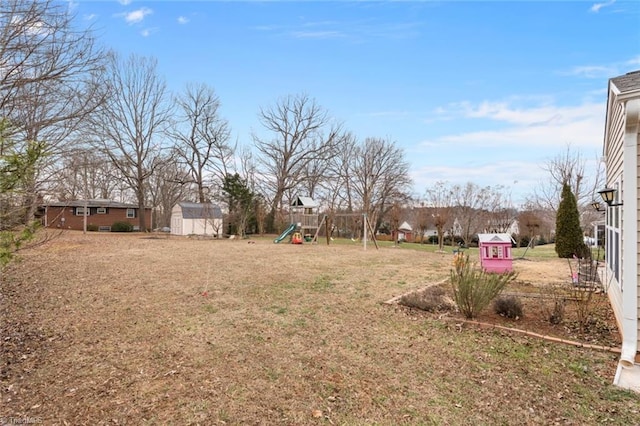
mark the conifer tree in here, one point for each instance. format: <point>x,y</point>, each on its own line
<point>569,239</point>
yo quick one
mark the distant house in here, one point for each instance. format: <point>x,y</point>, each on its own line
<point>404,233</point>
<point>196,219</point>
<point>101,214</point>
<point>507,226</point>
<point>622,271</point>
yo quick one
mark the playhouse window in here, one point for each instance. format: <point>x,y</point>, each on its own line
<point>496,252</point>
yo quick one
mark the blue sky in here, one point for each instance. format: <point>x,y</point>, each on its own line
<point>480,91</point>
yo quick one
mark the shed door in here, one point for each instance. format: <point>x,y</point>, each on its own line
<point>176,226</point>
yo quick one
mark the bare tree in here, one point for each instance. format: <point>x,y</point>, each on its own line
<point>422,220</point>
<point>202,138</point>
<point>80,167</point>
<point>480,209</point>
<point>128,128</point>
<point>48,81</point>
<point>568,167</point>
<point>531,222</point>
<point>378,176</point>
<point>302,132</point>
<point>166,188</point>
<point>337,181</point>
<point>439,200</point>
<point>394,214</point>
<point>471,205</point>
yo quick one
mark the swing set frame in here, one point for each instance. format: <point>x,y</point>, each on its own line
<point>367,229</point>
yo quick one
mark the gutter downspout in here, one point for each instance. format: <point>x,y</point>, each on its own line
<point>630,236</point>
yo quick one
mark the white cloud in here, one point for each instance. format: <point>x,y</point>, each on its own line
<point>136,16</point>
<point>503,142</point>
<point>593,71</point>
<point>517,175</point>
<point>124,2</point>
<point>634,61</point>
<point>183,20</point>
<point>603,71</point>
<point>545,114</point>
<point>148,31</point>
<point>72,5</point>
<point>597,6</point>
<point>90,17</point>
<point>317,34</point>
<point>585,132</point>
<point>33,28</point>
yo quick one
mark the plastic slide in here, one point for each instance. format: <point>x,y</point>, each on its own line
<point>286,232</point>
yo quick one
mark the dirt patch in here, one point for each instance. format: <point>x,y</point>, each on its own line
<point>122,329</point>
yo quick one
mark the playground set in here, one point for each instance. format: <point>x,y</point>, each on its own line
<point>305,225</point>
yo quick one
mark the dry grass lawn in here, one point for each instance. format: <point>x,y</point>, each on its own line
<point>130,329</point>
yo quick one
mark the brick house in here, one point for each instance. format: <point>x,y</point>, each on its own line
<point>101,214</point>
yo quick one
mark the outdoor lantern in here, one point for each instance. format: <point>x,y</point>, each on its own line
<point>596,205</point>
<point>608,195</point>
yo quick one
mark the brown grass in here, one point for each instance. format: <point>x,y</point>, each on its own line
<point>127,329</point>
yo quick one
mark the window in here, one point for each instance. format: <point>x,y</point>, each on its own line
<point>613,220</point>
<point>131,213</point>
<point>101,210</point>
<point>80,211</point>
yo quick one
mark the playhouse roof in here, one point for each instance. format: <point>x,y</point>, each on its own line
<point>200,211</point>
<point>304,202</point>
<point>494,238</point>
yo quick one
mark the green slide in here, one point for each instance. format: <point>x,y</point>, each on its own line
<point>286,232</point>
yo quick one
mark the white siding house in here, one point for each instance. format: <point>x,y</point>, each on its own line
<point>621,278</point>
<point>196,219</point>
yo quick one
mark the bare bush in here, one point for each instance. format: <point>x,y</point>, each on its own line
<point>430,299</point>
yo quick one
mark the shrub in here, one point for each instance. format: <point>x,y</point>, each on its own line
<point>557,315</point>
<point>473,288</point>
<point>431,299</point>
<point>121,227</point>
<point>508,306</point>
<point>91,227</point>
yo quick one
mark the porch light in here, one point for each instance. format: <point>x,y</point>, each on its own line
<point>608,195</point>
<point>596,206</point>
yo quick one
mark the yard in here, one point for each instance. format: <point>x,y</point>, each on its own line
<point>136,329</point>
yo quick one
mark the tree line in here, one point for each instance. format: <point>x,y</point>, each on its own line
<point>79,121</point>
<point>106,126</point>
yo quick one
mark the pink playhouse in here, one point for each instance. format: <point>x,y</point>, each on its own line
<point>495,252</point>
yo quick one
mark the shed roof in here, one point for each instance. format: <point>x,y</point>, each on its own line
<point>494,238</point>
<point>200,210</point>
<point>304,202</point>
<point>93,203</point>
